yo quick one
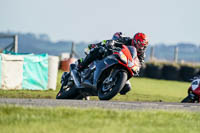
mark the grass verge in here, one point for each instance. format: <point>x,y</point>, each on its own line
<point>19,119</point>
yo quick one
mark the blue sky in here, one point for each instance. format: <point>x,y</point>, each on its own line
<point>164,21</point>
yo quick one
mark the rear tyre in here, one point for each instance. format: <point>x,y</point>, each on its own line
<point>67,92</point>
<point>187,100</point>
<point>118,83</point>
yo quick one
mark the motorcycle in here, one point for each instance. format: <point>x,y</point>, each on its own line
<point>193,91</point>
<point>104,78</point>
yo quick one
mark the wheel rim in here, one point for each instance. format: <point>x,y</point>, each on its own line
<point>108,84</point>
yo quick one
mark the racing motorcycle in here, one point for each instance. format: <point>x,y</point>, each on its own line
<point>104,78</point>
<point>193,91</point>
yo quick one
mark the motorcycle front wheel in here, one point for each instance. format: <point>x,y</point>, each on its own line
<point>108,91</point>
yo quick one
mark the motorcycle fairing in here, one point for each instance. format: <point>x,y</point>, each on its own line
<point>101,66</point>
<point>111,60</point>
<point>132,63</point>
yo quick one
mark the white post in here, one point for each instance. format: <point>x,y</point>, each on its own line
<point>152,53</point>
<point>176,54</point>
<point>15,43</point>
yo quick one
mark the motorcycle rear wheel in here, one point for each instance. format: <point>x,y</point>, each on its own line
<point>187,100</point>
<point>68,93</point>
<point>119,84</point>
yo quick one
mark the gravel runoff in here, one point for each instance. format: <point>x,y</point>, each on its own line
<point>101,104</point>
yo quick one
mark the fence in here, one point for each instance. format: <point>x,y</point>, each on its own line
<point>13,46</point>
<point>174,53</point>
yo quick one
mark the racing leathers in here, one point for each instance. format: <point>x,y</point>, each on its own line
<point>97,52</point>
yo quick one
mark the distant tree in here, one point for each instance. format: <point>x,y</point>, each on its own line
<point>44,37</point>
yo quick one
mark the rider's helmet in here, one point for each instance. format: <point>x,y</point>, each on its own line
<point>140,41</point>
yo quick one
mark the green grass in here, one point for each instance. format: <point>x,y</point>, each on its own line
<point>143,89</point>
<point>17,119</point>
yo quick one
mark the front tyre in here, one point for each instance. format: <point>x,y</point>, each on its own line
<point>108,91</point>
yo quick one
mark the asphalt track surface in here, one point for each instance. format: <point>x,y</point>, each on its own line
<point>101,104</point>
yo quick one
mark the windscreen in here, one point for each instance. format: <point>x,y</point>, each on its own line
<point>133,51</point>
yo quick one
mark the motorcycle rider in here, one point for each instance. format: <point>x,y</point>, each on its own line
<point>139,41</point>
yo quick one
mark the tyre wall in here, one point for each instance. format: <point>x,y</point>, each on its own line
<point>170,71</point>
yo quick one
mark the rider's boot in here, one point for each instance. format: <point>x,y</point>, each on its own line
<point>84,63</point>
<point>81,66</point>
<point>126,88</point>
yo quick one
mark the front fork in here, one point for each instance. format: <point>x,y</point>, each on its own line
<point>108,82</point>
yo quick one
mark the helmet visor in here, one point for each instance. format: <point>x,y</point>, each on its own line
<point>140,45</point>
